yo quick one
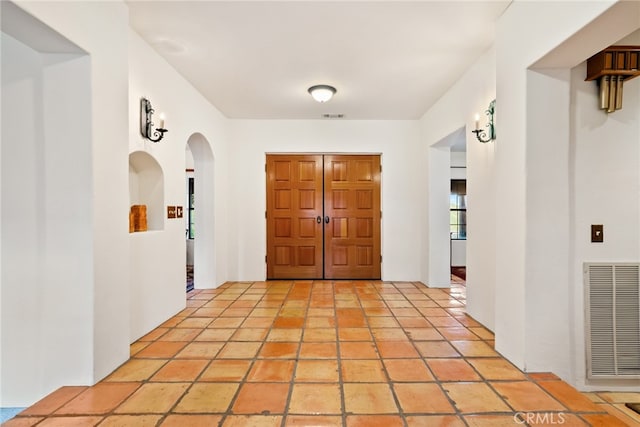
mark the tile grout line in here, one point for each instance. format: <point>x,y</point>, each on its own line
<point>394,393</point>
<point>343,397</point>
<point>229,412</point>
<point>194,381</point>
<point>287,401</point>
<point>489,383</point>
<point>229,409</point>
<point>486,380</point>
<point>348,297</point>
<point>457,410</point>
<point>482,377</point>
<point>374,342</point>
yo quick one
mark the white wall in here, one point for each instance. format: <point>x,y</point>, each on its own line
<point>64,294</point>
<point>540,27</point>
<point>401,187</point>
<point>548,224</point>
<point>605,176</point>
<point>46,222</point>
<point>437,214</point>
<point>459,164</point>
<point>582,169</point>
<point>535,281</point>
<point>458,253</point>
<point>456,110</point>
<point>158,257</point>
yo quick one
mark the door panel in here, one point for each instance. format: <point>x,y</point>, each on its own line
<point>294,202</point>
<point>323,216</point>
<point>352,205</point>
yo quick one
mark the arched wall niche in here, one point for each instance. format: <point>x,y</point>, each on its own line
<point>146,187</point>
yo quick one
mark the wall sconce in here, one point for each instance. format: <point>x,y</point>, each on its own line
<point>612,67</point>
<point>146,125</point>
<point>322,93</point>
<point>490,134</point>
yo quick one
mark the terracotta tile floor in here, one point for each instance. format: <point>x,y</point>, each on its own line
<point>324,354</point>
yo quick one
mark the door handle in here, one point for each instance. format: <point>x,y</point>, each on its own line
<point>319,219</point>
<point>326,220</point>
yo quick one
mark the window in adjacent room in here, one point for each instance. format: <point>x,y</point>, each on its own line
<point>458,209</point>
<point>191,211</point>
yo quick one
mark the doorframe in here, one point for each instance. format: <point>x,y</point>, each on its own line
<point>439,189</point>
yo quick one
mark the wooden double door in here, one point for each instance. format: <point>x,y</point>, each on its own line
<point>323,216</point>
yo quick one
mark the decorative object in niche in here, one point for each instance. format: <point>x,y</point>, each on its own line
<point>138,218</point>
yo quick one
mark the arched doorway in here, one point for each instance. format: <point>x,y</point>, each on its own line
<point>200,219</point>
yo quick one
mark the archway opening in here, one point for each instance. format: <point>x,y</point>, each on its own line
<point>447,223</point>
<point>199,218</point>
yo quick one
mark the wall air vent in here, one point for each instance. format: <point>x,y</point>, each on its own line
<point>612,320</point>
<point>333,116</point>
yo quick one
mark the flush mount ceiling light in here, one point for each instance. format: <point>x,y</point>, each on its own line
<point>322,93</point>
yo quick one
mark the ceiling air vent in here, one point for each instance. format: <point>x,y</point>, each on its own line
<point>332,116</point>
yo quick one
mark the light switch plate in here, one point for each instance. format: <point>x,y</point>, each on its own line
<point>597,233</point>
<point>171,211</point>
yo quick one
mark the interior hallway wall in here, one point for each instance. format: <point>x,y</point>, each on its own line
<point>46,222</point>
<point>534,311</point>
<point>605,179</point>
<point>157,282</point>
<point>455,110</point>
<point>548,338</point>
<point>583,170</point>
<point>65,313</point>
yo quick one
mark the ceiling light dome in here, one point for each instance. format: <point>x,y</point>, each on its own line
<point>322,93</point>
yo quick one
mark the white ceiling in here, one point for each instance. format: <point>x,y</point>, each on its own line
<point>256,59</point>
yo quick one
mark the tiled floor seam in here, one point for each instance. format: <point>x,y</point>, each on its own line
<point>384,367</point>
<point>458,412</point>
<point>229,411</point>
<point>343,402</point>
<point>172,411</point>
<point>190,311</point>
<point>295,368</point>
